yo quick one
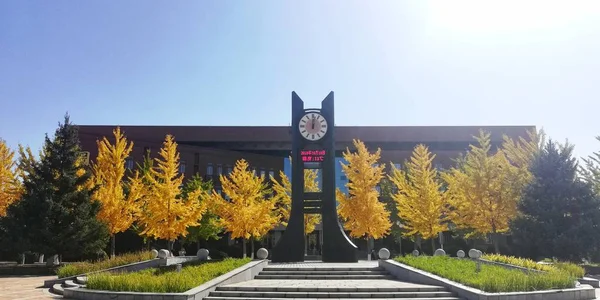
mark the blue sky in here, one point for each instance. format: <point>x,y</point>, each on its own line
<point>236,63</point>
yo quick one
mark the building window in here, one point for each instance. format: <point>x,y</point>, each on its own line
<point>209,170</point>
<point>129,164</point>
<point>219,170</point>
<point>182,167</point>
<point>262,173</point>
<point>343,177</point>
<point>271,174</point>
<point>253,170</point>
<point>398,166</point>
<point>196,158</point>
<point>438,167</point>
<point>229,170</point>
<point>219,192</point>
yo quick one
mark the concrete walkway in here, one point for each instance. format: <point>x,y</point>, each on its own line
<point>24,288</point>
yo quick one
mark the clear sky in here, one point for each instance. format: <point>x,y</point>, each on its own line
<point>236,62</point>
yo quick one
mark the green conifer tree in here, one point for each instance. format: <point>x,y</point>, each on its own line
<point>559,213</point>
<point>56,214</point>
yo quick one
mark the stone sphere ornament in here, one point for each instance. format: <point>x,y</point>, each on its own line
<point>415,253</point>
<point>439,252</point>
<point>474,253</point>
<point>202,254</point>
<point>154,253</point>
<point>163,253</point>
<point>262,253</point>
<point>460,254</point>
<point>384,253</point>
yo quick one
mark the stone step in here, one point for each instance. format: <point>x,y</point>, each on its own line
<point>317,277</point>
<point>323,269</point>
<point>354,298</point>
<point>320,272</point>
<point>81,280</point>
<point>337,295</point>
<point>70,284</point>
<point>58,289</point>
<point>388,289</point>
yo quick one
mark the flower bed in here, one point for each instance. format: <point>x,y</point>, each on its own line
<point>572,269</point>
<point>160,281</point>
<point>78,268</point>
<point>491,278</point>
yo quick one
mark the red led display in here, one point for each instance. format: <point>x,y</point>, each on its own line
<point>312,155</point>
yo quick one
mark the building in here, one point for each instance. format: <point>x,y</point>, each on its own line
<point>213,150</point>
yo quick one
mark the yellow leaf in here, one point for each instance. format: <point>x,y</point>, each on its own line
<point>362,212</point>
<point>422,206</point>
<point>10,186</point>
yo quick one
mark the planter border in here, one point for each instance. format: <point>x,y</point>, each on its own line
<point>243,273</point>
<point>411,274</point>
<point>583,280</point>
<point>132,267</point>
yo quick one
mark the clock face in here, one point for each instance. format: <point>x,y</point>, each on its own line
<point>313,126</point>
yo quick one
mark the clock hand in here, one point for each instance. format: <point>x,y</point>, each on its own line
<point>313,124</point>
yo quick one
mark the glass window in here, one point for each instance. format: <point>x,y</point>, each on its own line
<point>254,170</point>
<point>229,170</point>
<point>272,174</point>
<point>262,173</point>
<point>219,170</point>
<point>398,166</point>
<point>182,167</point>
<point>209,169</point>
<point>129,164</point>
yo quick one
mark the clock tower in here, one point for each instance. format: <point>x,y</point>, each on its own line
<point>313,147</point>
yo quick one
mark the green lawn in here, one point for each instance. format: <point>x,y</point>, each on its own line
<point>493,279</point>
<point>78,268</point>
<point>157,281</point>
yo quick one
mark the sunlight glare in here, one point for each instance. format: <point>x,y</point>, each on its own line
<point>504,16</point>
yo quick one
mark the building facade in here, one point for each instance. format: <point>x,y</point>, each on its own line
<point>210,151</point>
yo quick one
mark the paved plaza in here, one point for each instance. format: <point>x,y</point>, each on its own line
<point>24,288</point>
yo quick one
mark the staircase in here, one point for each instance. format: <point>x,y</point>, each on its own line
<point>341,282</point>
<point>59,289</point>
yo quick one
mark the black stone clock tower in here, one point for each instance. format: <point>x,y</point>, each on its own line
<point>313,147</point>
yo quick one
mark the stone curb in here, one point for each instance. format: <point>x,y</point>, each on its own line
<point>137,266</point>
<point>243,273</point>
<point>410,274</point>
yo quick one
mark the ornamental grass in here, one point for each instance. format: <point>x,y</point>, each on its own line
<point>570,268</point>
<point>158,281</point>
<point>491,278</point>
<point>84,267</point>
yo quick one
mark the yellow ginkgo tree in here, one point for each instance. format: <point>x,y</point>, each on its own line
<point>119,209</point>
<point>248,212</point>
<point>166,214</point>
<point>422,205</point>
<point>484,190</point>
<point>10,186</point>
<point>362,212</point>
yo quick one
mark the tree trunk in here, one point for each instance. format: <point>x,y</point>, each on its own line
<point>432,245</point>
<point>243,248</point>
<point>22,257</point>
<point>112,246</point>
<point>370,246</point>
<point>252,248</point>
<point>495,242</point>
<point>170,247</point>
<point>41,258</point>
